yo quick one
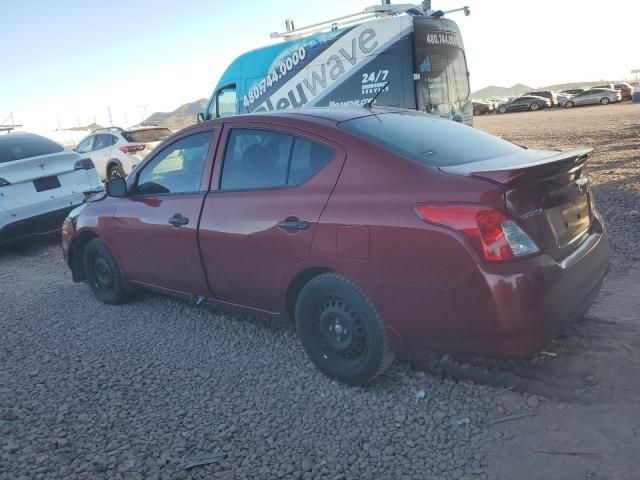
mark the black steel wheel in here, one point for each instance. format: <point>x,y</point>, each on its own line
<point>103,275</point>
<point>341,330</point>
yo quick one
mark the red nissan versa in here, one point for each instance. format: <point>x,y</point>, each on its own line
<point>379,232</point>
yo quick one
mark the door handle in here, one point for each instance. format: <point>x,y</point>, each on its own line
<point>177,220</point>
<point>293,225</point>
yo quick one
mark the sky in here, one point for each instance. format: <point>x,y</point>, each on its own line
<point>66,62</point>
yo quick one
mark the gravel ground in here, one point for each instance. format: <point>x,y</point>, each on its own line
<point>94,391</point>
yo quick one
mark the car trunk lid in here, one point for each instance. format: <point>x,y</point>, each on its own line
<point>547,191</point>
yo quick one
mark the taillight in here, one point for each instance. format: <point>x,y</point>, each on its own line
<point>132,148</point>
<point>84,164</point>
<point>494,235</point>
<point>4,183</point>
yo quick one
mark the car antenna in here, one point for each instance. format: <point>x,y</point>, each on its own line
<point>369,104</point>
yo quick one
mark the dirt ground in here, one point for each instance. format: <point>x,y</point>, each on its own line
<point>589,424</point>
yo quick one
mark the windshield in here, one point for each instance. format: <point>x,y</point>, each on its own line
<point>429,140</point>
<point>441,64</point>
<point>148,135</point>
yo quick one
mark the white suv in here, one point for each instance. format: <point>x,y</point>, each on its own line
<point>115,151</point>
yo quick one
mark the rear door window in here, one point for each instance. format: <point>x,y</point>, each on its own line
<point>102,141</point>
<point>18,146</point>
<point>263,159</point>
<point>428,140</point>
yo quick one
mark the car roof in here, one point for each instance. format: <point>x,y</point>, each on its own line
<point>21,136</point>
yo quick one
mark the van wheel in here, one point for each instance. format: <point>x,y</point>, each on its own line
<point>605,101</point>
<point>115,171</point>
<point>103,274</point>
<point>341,330</point>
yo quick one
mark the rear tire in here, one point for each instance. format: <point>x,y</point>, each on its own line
<point>534,107</point>
<point>341,330</point>
<point>604,101</point>
<point>115,171</point>
<point>477,113</point>
<point>103,274</point>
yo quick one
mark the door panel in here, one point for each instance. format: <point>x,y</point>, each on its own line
<point>156,225</point>
<point>155,252</point>
<point>246,254</point>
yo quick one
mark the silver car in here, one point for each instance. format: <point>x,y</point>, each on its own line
<point>603,96</point>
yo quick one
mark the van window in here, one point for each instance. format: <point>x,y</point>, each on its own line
<point>226,100</point>
<point>427,140</point>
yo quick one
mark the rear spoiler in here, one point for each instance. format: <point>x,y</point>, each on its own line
<point>524,166</point>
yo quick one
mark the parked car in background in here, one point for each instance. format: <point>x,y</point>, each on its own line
<point>483,108</point>
<point>548,94</point>
<point>573,91</point>
<point>562,97</point>
<point>40,183</point>
<point>594,96</point>
<point>526,102</point>
<point>116,151</point>
<point>378,231</point>
<point>626,90</point>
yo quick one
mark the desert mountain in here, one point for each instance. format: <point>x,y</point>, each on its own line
<point>181,117</point>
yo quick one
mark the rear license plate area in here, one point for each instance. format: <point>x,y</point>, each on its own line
<point>570,221</point>
<point>46,183</point>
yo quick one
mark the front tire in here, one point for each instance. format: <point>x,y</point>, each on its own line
<point>604,101</point>
<point>103,274</point>
<point>502,109</point>
<point>341,330</point>
<point>534,107</point>
<point>568,104</point>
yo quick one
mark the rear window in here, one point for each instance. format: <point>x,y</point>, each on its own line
<point>19,146</point>
<point>428,140</point>
<point>147,136</point>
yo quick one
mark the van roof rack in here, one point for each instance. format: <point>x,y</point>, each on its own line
<point>375,11</point>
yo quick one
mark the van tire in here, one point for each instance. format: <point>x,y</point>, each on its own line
<point>361,350</point>
<point>103,274</point>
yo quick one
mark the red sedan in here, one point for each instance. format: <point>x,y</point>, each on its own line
<point>379,232</point>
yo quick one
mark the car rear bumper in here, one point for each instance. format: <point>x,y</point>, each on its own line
<point>496,312</point>
<point>42,224</point>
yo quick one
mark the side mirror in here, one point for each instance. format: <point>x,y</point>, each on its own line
<point>467,11</point>
<point>116,187</point>
<point>200,117</point>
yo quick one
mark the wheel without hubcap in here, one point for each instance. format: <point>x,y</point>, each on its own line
<point>341,330</point>
<point>103,274</point>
